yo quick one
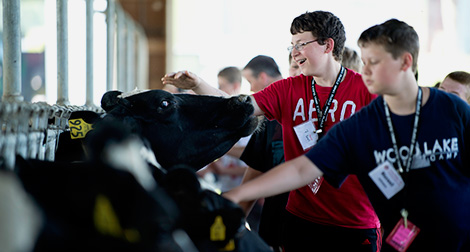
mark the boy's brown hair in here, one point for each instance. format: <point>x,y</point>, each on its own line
<point>263,63</point>
<point>397,37</point>
<point>231,74</point>
<point>322,25</point>
<point>460,77</point>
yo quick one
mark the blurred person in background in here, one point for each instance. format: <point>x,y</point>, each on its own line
<point>351,60</point>
<point>457,83</point>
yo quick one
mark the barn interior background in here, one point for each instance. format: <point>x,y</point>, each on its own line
<point>207,35</point>
<point>63,55</point>
<point>58,56</point>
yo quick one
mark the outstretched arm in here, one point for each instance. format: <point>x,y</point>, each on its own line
<point>285,177</point>
<point>250,174</point>
<point>187,80</point>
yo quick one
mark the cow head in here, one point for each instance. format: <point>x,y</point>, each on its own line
<point>183,129</point>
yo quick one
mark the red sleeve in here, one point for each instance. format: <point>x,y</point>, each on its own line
<point>270,99</point>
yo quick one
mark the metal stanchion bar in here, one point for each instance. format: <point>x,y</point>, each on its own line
<point>110,35</point>
<point>62,53</point>
<point>12,51</point>
<point>130,54</point>
<point>89,52</point>
<point>142,58</point>
<point>120,46</point>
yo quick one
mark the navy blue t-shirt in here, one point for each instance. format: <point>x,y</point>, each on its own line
<point>438,184</point>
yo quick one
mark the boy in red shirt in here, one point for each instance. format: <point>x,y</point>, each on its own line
<point>321,217</point>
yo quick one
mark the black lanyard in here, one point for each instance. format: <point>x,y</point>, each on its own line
<point>322,114</point>
<point>413,134</point>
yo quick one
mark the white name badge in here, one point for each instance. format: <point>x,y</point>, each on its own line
<point>387,179</point>
<point>306,133</point>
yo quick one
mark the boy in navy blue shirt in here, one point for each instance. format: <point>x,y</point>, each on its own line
<point>410,149</point>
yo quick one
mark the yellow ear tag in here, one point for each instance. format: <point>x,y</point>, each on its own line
<point>79,128</point>
<point>106,220</point>
<point>230,246</point>
<point>217,231</point>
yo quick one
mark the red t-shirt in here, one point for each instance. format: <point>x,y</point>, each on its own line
<point>290,101</point>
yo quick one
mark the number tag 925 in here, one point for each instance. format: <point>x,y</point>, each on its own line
<point>79,128</point>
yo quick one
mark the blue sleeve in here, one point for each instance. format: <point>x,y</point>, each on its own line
<point>464,109</point>
<point>332,153</point>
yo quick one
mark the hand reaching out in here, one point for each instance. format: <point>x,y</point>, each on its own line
<point>187,80</point>
<point>182,79</point>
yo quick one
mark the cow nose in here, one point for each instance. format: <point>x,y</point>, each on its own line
<point>241,103</point>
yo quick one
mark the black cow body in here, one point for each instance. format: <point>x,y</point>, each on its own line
<point>185,133</point>
<point>93,207</point>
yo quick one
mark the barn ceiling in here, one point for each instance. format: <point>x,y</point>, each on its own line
<point>149,13</point>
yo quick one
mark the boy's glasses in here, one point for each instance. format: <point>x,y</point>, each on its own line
<point>300,47</point>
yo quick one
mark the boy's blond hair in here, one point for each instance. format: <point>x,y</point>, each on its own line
<point>351,60</point>
<point>397,37</point>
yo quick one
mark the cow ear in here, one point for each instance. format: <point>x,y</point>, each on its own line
<point>110,100</point>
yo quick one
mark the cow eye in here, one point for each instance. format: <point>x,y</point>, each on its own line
<point>164,104</point>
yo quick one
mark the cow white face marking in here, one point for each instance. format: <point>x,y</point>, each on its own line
<point>133,92</point>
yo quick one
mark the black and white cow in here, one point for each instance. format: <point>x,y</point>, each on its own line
<point>182,129</point>
<point>185,133</point>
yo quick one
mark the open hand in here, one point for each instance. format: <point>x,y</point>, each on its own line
<point>182,79</point>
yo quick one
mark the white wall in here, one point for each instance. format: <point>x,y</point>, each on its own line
<point>208,35</point>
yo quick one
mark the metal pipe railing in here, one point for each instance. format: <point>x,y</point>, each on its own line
<point>120,49</point>
<point>62,53</point>
<point>130,54</point>
<point>32,129</point>
<point>11,51</point>
<point>110,40</point>
<point>89,52</point>
<point>142,64</point>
